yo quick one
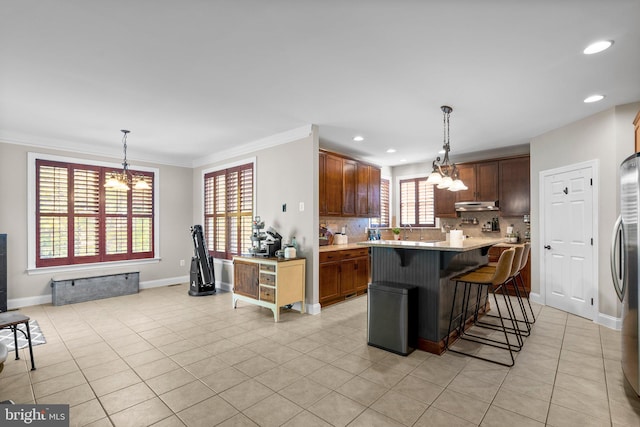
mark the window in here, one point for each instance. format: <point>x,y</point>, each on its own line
<point>383,221</point>
<point>79,221</point>
<point>228,210</point>
<point>416,203</point>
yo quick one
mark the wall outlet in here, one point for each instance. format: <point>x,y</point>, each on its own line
<point>181,263</point>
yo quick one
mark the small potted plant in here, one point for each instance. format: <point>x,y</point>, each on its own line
<point>396,233</point>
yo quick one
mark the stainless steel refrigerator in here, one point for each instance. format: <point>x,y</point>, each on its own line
<point>625,260</point>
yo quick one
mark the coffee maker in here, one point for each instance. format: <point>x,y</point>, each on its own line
<point>264,243</point>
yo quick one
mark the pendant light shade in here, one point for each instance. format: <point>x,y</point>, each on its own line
<point>444,174</point>
<point>121,180</point>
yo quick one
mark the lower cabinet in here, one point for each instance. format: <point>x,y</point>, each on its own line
<point>343,273</point>
<point>269,282</point>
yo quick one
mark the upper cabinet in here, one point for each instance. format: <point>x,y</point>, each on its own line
<point>636,123</point>
<point>348,187</point>
<point>504,180</point>
<point>515,188</point>
<point>481,180</point>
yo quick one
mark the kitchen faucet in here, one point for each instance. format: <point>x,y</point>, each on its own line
<point>405,231</point>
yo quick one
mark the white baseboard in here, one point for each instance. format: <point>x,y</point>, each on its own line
<point>536,298</point>
<point>224,286</point>
<point>163,282</point>
<point>312,308</point>
<point>28,301</point>
<point>609,321</point>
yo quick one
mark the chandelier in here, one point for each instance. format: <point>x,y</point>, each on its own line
<point>445,174</point>
<point>121,180</point>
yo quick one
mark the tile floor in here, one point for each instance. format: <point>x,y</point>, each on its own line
<point>163,358</point>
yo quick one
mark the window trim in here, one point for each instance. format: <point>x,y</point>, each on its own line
<point>396,201</point>
<point>241,162</point>
<point>31,212</point>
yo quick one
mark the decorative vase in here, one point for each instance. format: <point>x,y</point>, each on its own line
<point>396,237</point>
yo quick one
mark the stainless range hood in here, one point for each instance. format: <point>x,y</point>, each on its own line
<point>476,206</point>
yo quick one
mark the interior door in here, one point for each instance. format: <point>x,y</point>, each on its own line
<point>568,255</point>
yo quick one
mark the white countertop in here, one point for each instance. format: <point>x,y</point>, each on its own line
<point>468,244</point>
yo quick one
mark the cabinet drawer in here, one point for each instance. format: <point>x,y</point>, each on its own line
<point>267,279</point>
<point>355,253</point>
<point>267,294</point>
<point>268,267</point>
<point>330,256</point>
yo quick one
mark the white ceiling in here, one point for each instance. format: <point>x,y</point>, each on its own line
<point>194,78</point>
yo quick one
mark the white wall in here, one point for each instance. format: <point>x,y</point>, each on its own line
<point>608,137</point>
<point>175,212</point>
<point>286,173</point>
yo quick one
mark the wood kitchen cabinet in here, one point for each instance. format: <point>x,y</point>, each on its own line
<point>482,181</point>
<point>444,203</point>
<point>636,123</point>
<point>515,188</point>
<point>347,187</point>
<point>246,278</point>
<point>343,273</point>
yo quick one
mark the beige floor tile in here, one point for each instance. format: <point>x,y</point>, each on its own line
<point>371,418</point>
<point>498,417</point>
<point>435,373</point>
<point>236,355</point>
<point>142,414</point>
<point>190,356</point>
<point>246,394</point>
<point>626,412</point>
<point>527,385</point>
<point>255,366</point>
<point>109,368</point>
<point>205,367</point>
<point>72,396</point>
<point>399,407</point>
<point>238,420</point>
<point>114,382</point>
<point>337,409</point>
<point>86,413</point>
<point>581,385</point>
<point>418,389</point>
<point>434,417</point>
<point>598,406</point>
<point>362,390</point>
<point>304,345</point>
<point>56,384</point>
<point>330,376</point>
<point>278,378</point>
<point>304,392</point>
<point>52,371</point>
<point>462,406</point>
<point>522,404</point>
<point>224,379</point>
<point>304,365</point>
<point>155,368</point>
<point>352,363</point>
<point>169,381</point>
<point>327,353</point>
<point>274,411</point>
<point>307,419</point>
<point>126,398</point>
<point>172,421</point>
<point>474,387</point>
<point>102,422</point>
<point>187,395</point>
<point>144,357</point>
<point>563,417</point>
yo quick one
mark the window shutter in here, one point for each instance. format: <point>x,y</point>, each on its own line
<point>52,211</point>
<point>416,203</point>
<point>86,211</point>
<point>142,218</point>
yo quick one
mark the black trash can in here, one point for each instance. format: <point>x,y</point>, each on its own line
<point>392,316</point>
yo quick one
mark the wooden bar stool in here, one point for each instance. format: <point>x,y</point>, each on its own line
<point>11,320</point>
<point>479,280</point>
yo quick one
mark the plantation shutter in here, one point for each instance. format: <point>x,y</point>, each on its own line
<point>383,221</point>
<point>416,203</point>
<point>52,212</point>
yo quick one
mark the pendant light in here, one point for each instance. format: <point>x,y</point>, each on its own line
<point>444,174</point>
<point>121,180</point>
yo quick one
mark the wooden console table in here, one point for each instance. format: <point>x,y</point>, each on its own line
<point>269,282</point>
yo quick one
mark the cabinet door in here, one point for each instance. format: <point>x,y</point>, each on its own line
<point>245,278</point>
<point>487,181</point>
<point>348,272</point>
<point>362,273</point>
<point>467,173</point>
<point>349,187</point>
<point>374,192</point>
<point>322,195</point>
<point>444,203</point>
<point>362,190</point>
<point>333,184</point>
<point>514,186</point>
<point>329,286</point>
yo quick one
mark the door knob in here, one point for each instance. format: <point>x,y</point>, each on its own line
<point>547,247</point>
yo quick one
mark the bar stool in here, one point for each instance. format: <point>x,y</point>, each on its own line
<point>11,320</point>
<point>494,281</point>
<point>520,261</point>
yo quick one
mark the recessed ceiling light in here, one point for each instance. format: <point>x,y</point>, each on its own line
<point>403,160</point>
<point>597,47</point>
<point>593,98</point>
<point>391,150</point>
<point>358,138</point>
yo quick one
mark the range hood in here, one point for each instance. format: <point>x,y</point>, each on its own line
<point>476,206</point>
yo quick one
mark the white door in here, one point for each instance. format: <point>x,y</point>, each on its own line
<point>568,241</point>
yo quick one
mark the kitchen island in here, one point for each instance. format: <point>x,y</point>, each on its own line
<point>428,266</point>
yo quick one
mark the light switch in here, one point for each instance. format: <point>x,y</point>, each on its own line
<point>301,207</point>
